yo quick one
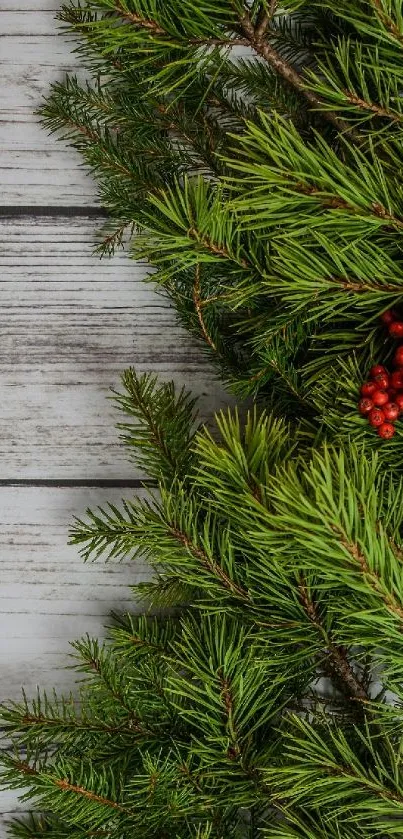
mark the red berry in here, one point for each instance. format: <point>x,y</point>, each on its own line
<point>396,380</point>
<point>392,392</point>
<point>376,417</point>
<point>388,317</point>
<point>382,381</point>
<point>380,397</point>
<point>378,370</point>
<point>391,411</point>
<point>368,388</point>
<point>396,329</point>
<point>386,430</point>
<point>398,356</point>
<point>399,401</point>
<point>365,405</point>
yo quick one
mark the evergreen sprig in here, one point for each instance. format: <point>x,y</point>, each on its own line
<point>252,153</point>
<point>256,149</point>
<point>270,701</point>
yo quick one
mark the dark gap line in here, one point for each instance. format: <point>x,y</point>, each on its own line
<point>136,483</point>
<point>53,212</point>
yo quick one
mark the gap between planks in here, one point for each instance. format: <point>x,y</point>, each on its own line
<point>33,211</point>
<point>71,483</point>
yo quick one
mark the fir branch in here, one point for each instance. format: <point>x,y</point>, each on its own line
<point>135,19</point>
<point>263,48</point>
<point>217,250</point>
<point>66,786</point>
<point>212,566</point>
<point>198,307</point>
<point>388,21</point>
<point>160,421</point>
<point>41,720</point>
<point>335,659</point>
<point>374,579</point>
<point>373,107</point>
<point>155,29</point>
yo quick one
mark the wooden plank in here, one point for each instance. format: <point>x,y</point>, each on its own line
<point>48,595</point>
<point>34,168</point>
<point>70,323</point>
<point>11,808</point>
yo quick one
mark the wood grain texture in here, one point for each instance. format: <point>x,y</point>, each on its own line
<point>69,324</point>
<point>48,596</point>
<point>34,168</point>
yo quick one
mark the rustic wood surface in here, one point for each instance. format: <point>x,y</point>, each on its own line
<point>69,324</point>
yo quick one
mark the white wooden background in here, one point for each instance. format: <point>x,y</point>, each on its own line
<point>69,323</point>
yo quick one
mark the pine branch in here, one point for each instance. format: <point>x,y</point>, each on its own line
<point>209,563</point>
<point>335,660</point>
<point>160,423</point>
<point>198,306</point>
<point>259,43</point>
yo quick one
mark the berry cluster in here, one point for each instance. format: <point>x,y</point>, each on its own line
<point>391,320</point>
<point>382,395</point>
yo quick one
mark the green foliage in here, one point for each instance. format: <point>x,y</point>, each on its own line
<point>161,425</point>
<point>267,698</point>
<point>252,153</point>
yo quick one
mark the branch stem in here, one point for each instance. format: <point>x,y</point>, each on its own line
<point>197,304</point>
<point>259,43</point>
<point>336,663</point>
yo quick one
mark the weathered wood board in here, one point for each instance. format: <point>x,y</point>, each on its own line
<point>35,170</point>
<point>69,324</point>
<point>48,596</point>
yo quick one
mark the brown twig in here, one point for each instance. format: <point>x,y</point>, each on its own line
<point>144,23</point>
<point>360,560</point>
<point>359,288</point>
<point>31,719</point>
<point>372,107</point>
<point>262,47</point>
<point>348,771</point>
<point>92,796</point>
<point>153,27</point>
<point>218,250</point>
<point>334,202</point>
<point>262,25</point>
<point>133,720</point>
<point>26,769</point>
<point>209,564</point>
<point>219,42</point>
<point>115,238</point>
<point>387,21</point>
<point>382,212</point>
<point>197,304</point>
<point>336,661</point>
